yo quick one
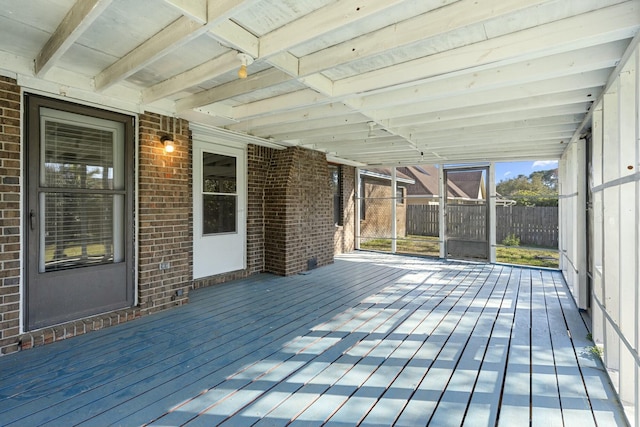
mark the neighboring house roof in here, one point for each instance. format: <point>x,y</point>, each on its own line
<point>461,184</point>
<point>469,184</point>
<point>422,180</point>
<point>385,173</point>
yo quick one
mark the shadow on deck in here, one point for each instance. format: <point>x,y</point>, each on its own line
<point>374,339</point>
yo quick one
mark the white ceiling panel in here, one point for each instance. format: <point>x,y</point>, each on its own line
<point>376,82</point>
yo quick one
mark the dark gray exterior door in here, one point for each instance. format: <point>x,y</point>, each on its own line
<point>78,212</point>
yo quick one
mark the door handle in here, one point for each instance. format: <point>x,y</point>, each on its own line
<point>32,216</point>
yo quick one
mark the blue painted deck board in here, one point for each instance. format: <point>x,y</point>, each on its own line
<point>373,339</point>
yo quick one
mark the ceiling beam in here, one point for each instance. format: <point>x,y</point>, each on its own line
<point>445,19</point>
<point>169,38</point>
<point>601,26</point>
<point>543,125</point>
<point>269,77</point>
<point>604,56</point>
<point>312,113</point>
<point>521,93</point>
<point>221,10</point>
<point>471,139</point>
<point>196,10</point>
<point>347,119</point>
<point>521,119</point>
<point>228,33</point>
<point>320,22</point>
<point>76,21</point>
<point>282,103</point>
<point>544,106</point>
<point>193,77</point>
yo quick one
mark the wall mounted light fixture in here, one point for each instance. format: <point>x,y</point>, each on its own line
<point>245,60</point>
<point>167,141</point>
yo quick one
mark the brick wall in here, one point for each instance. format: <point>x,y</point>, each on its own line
<point>298,211</point>
<point>344,236</point>
<point>289,220</point>
<point>165,214</point>
<point>258,160</point>
<point>9,215</point>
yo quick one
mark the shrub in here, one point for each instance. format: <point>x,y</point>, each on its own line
<point>511,240</point>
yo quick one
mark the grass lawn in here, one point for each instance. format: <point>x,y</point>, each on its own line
<point>424,245</point>
<point>73,252</point>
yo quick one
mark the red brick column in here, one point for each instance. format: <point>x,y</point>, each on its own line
<point>165,214</point>
<point>298,211</point>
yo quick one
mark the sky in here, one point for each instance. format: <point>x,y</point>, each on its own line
<point>510,170</point>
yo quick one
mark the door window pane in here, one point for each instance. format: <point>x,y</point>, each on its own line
<point>219,214</point>
<point>81,199</point>
<point>219,194</point>
<point>80,157</point>
<point>79,230</point>
<point>219,173</point>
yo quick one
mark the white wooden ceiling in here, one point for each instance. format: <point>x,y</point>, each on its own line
<point>371,81</point>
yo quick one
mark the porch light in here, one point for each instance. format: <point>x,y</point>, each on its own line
<point>371,126</point>
<point>245,60</point>
<point>167,141</point>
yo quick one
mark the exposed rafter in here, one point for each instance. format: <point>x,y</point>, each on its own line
<point>170,38</point>
<point>196,10</point>
<point>442,20</point>
<point>602,26</point>
<point>256,81</point>
<point>77,20</point>
<point>440,80</point>
<point>193,77</point>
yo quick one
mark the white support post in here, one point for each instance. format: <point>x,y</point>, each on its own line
<point>357,210</point>
<point>611,211</point>
<point>628,208</point>
<point>394,225</point>
<point>442,194</point>
<point>492,212</point>
<point>580,228</point>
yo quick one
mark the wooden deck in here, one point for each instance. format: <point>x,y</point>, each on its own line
<point>373,339</point>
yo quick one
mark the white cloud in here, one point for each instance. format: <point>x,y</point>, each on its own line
<point>507,173</point>
<point>547,164</point>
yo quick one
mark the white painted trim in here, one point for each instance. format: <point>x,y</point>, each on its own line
<point>341,161</point>
<point>492,211</point>
<point>394,225</point>
<point>136,207</point>
<point>114,107</point>
<point>358,183</point>
<point>372,174</point>
<point>626,58</point>
<point>442,193</point>
<point>22,306</point>
<point>230,138</point>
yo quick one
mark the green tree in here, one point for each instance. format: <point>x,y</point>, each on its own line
<point>540,188</point>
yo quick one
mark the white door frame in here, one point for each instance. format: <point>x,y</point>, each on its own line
<point>226,252</point>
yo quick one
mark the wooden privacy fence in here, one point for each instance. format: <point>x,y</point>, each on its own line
<point>532,225</point>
